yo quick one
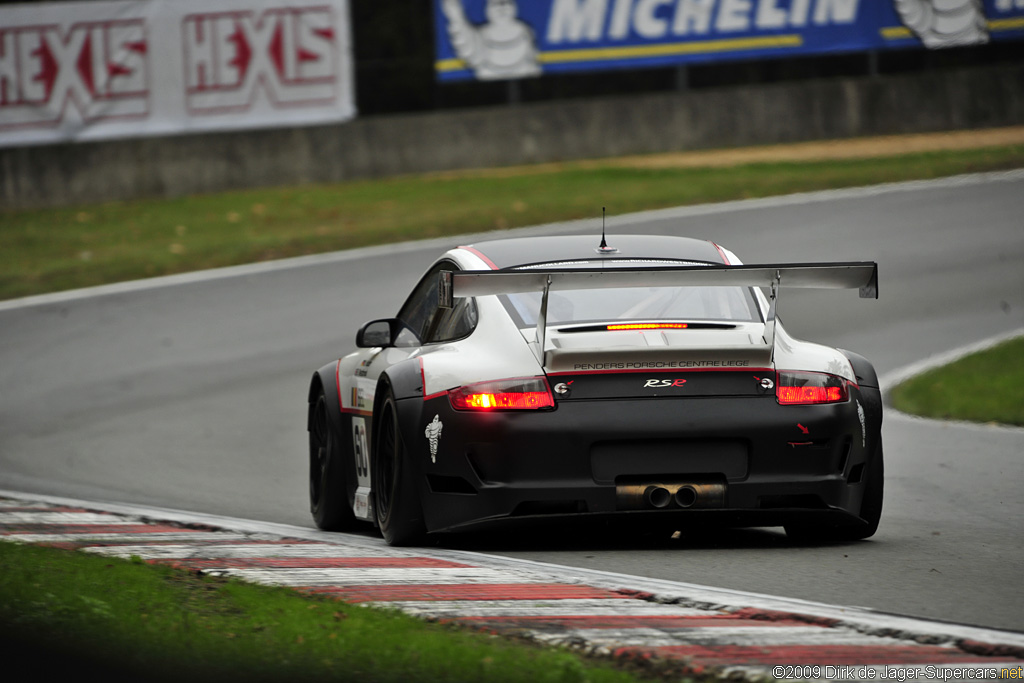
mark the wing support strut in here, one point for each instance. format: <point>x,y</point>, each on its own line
<point>542,321</point>
<point>769,324</point>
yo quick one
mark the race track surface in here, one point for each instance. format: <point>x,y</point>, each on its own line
<point>192,396</point>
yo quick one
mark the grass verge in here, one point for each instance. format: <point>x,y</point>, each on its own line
<point>57,249</point>
<point>134,621</point>
<point>987,386</point>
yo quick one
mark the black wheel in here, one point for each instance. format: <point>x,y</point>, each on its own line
<point>396,502</point>
<point>870,511</point>
<point>328,493</point>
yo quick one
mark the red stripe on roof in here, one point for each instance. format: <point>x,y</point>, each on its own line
<point>480,254</point>
<point>491,591</point>
<point>721,252</point>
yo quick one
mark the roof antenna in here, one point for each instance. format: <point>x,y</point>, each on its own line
<point>603,248</point>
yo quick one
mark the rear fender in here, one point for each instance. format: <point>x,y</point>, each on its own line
<point>870,399</point>
<point>340,423</point>
<point>866,375</point>
<point>405,380</point>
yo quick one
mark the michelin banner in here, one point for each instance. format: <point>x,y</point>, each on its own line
<point>93,70</point>
<point>509,39</point>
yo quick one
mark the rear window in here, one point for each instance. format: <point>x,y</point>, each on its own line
<point>734,304</point>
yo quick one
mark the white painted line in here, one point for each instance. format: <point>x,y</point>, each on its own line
<point>23,504</point>
<point>440,243</point>
<point>228,552</point>
<point>567,607</point>
<point>131,538</point>
<point>62,518</point>
<point>900,375</point>
<point>750,636</point>
<point>379,576</point>
<point>891,379</point>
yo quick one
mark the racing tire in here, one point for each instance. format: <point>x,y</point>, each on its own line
<point>870,512</point>
<point>328,492</point>
<point>396,501</point>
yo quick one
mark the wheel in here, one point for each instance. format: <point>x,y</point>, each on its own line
<point>870,511</point>
<point>328,493</point>
<point>396,501</point>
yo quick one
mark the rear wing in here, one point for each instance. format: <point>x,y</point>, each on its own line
<point>860,275</point>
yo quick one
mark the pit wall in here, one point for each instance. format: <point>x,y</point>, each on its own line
<point>83,173</point>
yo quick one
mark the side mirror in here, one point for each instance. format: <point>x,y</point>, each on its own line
<point>376,333</point>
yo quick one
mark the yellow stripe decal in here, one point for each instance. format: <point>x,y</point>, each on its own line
<point>1006,24</point>
<point>639,52</point>
<point>902,32</point>
<point>896,33</point>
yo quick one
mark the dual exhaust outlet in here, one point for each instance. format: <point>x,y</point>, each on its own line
<point>667,495</point>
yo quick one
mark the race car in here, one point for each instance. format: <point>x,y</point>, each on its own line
<point>640,379</point>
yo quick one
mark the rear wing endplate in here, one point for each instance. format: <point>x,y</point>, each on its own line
<point>859,275</point>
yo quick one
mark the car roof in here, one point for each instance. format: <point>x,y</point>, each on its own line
<point>519,251</point>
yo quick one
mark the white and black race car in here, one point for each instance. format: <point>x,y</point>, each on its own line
<point>646,382</point>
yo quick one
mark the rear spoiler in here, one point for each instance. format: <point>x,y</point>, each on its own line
<point>860,275</point>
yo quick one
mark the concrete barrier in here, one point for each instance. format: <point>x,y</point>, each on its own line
<point>81,173</point>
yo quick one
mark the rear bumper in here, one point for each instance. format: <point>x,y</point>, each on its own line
<point>766,464</point>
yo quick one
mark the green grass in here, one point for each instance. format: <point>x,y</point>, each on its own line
<point>57,249</point>
<point>983,387</point>
<point>134,621</point>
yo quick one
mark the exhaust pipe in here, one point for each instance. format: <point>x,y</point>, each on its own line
<point>661,495</point>
<point>657,496</point>
<point>686,496</point>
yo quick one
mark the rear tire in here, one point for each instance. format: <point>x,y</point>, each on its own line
<point>328,492</point>
<point>396,501</point>
<point>870,511</point>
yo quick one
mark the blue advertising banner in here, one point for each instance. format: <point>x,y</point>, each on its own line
<point>509,39</point>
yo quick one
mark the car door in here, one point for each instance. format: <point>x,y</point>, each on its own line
<point>422,324</point>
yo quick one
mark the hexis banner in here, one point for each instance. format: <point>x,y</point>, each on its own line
<point>93,70</point>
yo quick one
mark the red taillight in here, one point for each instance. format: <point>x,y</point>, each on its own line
<point>530,393</point>
<point>804,388</point>
<point>647,326</point>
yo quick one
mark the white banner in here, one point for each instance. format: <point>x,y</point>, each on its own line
<point>133,68</point>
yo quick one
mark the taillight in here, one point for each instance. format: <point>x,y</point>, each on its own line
<point>804,388</point>
<point>528,393</point>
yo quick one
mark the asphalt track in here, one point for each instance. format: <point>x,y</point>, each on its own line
<point>189,393</point>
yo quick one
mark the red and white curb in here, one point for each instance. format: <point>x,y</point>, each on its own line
<point>698,629</point>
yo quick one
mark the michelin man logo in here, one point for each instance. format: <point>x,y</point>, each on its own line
<point>944,23</point>
<point>502,48</point>
<point>433,433</point>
